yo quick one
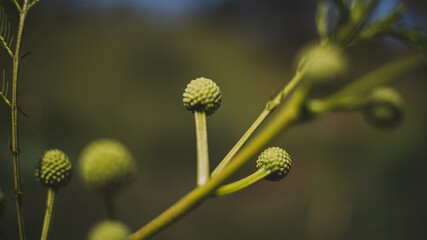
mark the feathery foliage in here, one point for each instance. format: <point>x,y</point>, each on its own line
<point>4,89</point>
<point>6,38</point>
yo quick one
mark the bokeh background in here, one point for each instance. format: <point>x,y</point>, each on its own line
<point>118,68</point>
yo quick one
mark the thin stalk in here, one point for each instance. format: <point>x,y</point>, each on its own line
<point>32,4</point>
<point>242,183</point>
<point>264,114</point>
<point>50,207</point>
<point>5,99</point>
<point>14,146</point>
<point>318,107</point>
<point>352,96</point>
<point>385,74</point>
<point>288,115</point>
<point>271,105</point>
<point>110,207</point>
<point>17,5</point>
<point>202,148</point>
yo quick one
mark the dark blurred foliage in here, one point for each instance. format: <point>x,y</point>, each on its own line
<point>120,73</point>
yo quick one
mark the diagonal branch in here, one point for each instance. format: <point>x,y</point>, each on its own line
<point>6,38</point>
<point>287,116</point>
<point>16,5</point>
<point>3,92</point>
<point>32,4</point>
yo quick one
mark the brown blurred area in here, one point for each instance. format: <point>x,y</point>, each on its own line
<point>120,73</point>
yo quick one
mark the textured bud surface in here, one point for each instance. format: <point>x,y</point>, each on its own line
<point>277,161</point>
<point>384,108</point>
<point>323,63</point>
<point>109,230</point>
<point>54,169</point>
<point>202,94</point>
<point>106,165</point>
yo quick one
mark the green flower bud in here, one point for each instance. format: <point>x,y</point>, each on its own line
<point>275,160</point>
<point>2,203</point>
<point>322,63</point>
<point>202,94</point>
<point>106,165</point>
<point>54,169</point>
<point>384,108</point>
<point>109,230</point>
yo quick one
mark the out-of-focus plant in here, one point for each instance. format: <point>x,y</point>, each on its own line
<point>107,165</point>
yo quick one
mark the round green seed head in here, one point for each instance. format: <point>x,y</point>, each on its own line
<point>2,203</point>
<point>54,169</point>
<point>109,230</point>
<point>202,94</point>
<point>275,160</point>
<point>106,165</point>
<point>384,108</point>
<point>323,63</point>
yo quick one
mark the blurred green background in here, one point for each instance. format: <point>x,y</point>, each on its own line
<point>118,69</point>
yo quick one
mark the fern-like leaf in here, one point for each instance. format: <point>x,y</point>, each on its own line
<point>4,89</point>
<point>6,38</point>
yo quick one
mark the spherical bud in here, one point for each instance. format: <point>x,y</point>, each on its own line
<point>275,160</point>
<point>384,108</point>
<point>202,94</point>
<point>2,203</point>
<point>54,169</point>
<point>106,165</point>
<point>109,230</point>
<point>323,63</point>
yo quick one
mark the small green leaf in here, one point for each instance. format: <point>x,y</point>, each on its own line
<point>342,12</point>
<point>322,19</point>
<point>383,25</point>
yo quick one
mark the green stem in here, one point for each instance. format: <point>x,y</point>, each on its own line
<point>17,7</point>
<point>50,207</point>
<point>270,106</point>
<point>240,143</point>
<point>202,148</point>
<point>352,96</point>
<point>110,207</point>
<point>5,99</point>
<point>32,4</point>
<point>242,183</point>
<point>318,107</point>
<point>289,114</point>
<point>14,115</point>
<point>385,74</point>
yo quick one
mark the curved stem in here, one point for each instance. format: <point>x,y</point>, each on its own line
<point>110,207</point>
<point>202,148</point>
<point>14,147</point>
<point>50,207</point>
<point>271,105</point>
<point>289,114</point>
<point>242,183</point>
